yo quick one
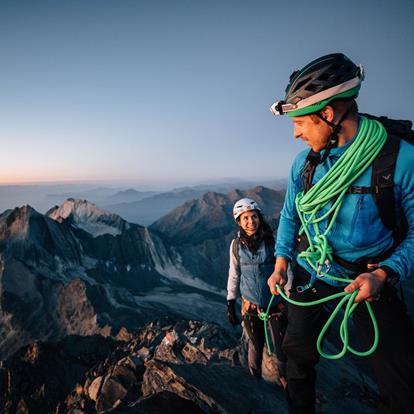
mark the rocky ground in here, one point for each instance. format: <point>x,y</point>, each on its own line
<point>166,367</point>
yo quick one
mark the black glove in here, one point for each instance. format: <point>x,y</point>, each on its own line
<point>231,312</point>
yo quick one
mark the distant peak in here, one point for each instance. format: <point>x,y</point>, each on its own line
<point>16,222</point>
<point>23,212</point>
<point>212,196</point>
<point>258,189</point>
<point>89,217</point>
<point>81,208</point>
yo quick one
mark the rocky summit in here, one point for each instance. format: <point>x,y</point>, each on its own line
<point>174,366</point>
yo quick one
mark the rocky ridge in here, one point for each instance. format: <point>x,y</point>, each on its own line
<point>174,366</point>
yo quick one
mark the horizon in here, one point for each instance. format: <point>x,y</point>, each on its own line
<point>118,183</point>
<point>135,204</point>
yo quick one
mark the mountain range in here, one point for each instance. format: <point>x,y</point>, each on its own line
<point>79,271</point>
<point>118,199</point>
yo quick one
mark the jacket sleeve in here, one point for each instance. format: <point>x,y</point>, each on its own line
<point>289,222</point>
<point>402,260</point>
<point>233,282</point>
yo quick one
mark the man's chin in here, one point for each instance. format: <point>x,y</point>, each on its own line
<point>315,149</point>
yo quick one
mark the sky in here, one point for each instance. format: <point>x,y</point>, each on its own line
<point>179,90</point>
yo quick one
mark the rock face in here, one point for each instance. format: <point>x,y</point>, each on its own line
<point>201,230</point>
<point>57,279</point>
<point>174,366</point>
<point>147,210</point>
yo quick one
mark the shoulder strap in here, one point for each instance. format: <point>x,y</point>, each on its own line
<point>235,251</point>
<point>383,169</point>
<point>270,252</point>
<point>235,248</point>
<point>312,160</point>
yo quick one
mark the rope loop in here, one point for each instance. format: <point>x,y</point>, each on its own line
<point>348,299</point>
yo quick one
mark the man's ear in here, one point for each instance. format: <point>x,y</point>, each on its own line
<point>328,113</point>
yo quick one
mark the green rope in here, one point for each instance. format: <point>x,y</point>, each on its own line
<point>350,307</point>
<point>333,186</point>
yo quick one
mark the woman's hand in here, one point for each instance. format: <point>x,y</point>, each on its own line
<point>231,312</point>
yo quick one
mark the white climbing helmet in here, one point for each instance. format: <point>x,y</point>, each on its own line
<point>245,204</point>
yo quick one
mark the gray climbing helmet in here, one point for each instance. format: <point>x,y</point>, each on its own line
<point>310,89</point>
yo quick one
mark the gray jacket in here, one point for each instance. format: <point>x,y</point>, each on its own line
<point>248,274</point>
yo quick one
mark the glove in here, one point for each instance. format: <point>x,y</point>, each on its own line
<point>231,312</point>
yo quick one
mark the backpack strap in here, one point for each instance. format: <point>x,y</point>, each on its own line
<point>235,250</point>
<point>383,170</point>
<point>382,188</point>
<point>311,162</point>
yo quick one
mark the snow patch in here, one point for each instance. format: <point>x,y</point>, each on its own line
<point>174,271</point>
<point>88,217</point>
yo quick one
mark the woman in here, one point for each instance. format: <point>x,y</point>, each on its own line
<point>251,263</point>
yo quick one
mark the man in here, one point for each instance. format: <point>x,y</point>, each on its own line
<point>330,225</point>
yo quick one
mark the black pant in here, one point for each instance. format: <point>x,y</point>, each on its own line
<point>255,331</point>
<point>392,362</point>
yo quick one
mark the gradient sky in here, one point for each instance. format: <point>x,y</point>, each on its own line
<point>179,89</point>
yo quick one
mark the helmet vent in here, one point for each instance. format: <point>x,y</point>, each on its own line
<point>324,77</point>
<point>301,83</point>
<point>312,87</point>
<point>336,78</point>
<point>335,66</point>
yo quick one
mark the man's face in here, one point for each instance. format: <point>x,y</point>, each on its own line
<point>312,130</point>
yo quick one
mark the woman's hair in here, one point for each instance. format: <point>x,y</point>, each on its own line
<point>263,233</point>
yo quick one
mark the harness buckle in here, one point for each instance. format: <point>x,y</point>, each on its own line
<point>328,266</point>
<point>300,289</point>
<point>357,190</point>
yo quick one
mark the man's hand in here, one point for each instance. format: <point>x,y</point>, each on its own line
<point>369,285</point>
<point>231,312</point>
<point>279,275</point>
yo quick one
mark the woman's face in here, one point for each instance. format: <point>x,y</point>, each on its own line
<point>249,222</point>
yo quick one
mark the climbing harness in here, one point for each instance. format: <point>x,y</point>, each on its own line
<point>333,187</point>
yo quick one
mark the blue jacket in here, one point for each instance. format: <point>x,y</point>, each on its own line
<point>248,275</point>
<point>358,231</point>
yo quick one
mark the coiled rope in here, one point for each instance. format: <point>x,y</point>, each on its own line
<point>332,187</point>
